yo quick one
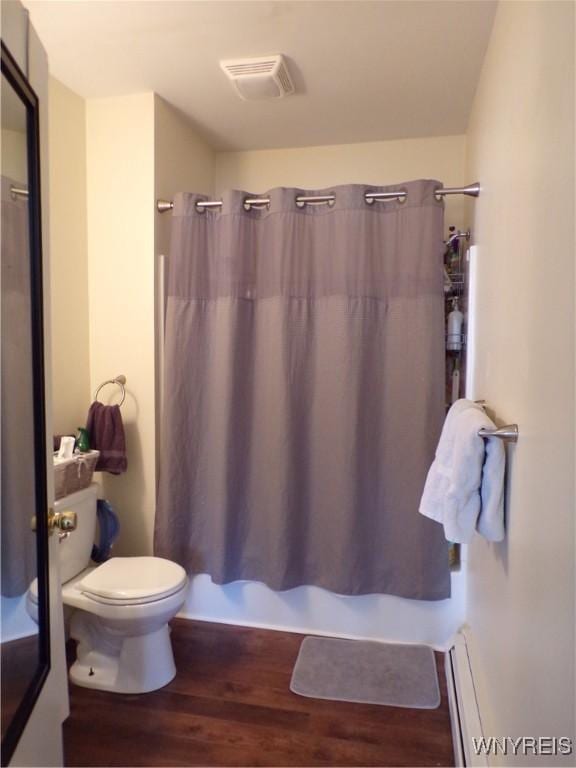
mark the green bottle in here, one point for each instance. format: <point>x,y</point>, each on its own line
<point>82,440</point>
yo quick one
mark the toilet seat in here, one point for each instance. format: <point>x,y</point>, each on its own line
<point>133,581</point>
<point>33,591</point>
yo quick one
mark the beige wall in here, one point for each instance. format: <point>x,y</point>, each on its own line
<point>378,163</point>
<point>521,147</point>
<point>183,163</point>
<point>139,148</point>
<point>181,158</point>
<point>69,263</point>
<point>120,198</point>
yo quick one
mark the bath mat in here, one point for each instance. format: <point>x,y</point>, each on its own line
<point>366,673</point>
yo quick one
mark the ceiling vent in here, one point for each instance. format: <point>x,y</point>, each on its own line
<point>263,78</point>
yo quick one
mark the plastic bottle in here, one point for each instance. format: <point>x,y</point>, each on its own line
<point>455,394</point>
<point>83,441</point>
<point>454,328</point>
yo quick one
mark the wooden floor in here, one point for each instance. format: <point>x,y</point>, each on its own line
<point>230,705</point>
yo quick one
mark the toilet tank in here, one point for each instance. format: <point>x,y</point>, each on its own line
<point>75,549</point>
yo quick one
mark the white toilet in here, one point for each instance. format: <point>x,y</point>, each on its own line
<point>119,611</point>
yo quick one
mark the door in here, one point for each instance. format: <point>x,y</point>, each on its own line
<point>34,695</point>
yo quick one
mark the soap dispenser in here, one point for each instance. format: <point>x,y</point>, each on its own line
<point>82,440</point>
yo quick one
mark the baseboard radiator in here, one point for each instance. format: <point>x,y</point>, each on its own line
<point>464,711</point>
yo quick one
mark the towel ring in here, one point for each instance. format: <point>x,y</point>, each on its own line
<point>120,381</point>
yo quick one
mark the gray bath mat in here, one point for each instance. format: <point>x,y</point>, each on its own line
<point>366,673</point>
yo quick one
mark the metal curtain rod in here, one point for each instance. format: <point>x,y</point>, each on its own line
<point>472,190</point>
<point>17,192</point>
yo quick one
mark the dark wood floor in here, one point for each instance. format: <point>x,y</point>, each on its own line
<point>230,705</point>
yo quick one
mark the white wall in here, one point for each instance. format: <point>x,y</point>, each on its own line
<point>120,203</point>
<point>377,162</point>
<point>69,263</point>
<point>521,592</point>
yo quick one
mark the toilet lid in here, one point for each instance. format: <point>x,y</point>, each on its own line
<point>134,578</point>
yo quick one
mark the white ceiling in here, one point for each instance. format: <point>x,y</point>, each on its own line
<point>364,70</point>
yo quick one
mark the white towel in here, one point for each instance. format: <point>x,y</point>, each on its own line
<point>464,489</point>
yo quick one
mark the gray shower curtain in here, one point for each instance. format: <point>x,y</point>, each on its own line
<point>304,392</point>
<point>18,552</point>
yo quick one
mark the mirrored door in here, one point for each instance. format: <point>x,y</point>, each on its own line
<point>24,635</point>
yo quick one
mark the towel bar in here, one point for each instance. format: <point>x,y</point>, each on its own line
<point>509,433</point>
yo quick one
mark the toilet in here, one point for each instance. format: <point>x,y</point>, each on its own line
<point>118,612</point>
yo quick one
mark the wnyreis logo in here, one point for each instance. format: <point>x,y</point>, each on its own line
<point>523,745</point>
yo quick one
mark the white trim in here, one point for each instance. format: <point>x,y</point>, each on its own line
<point>471,316</point>
<point>454,713</point>
<point>441,648</point>
<point>464,710</point>
<point>315,611</point>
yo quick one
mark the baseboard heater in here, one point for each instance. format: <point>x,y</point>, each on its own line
<point>464,710</point>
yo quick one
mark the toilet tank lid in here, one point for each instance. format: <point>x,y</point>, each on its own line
<point>122,578</point>
<point>67,502</point>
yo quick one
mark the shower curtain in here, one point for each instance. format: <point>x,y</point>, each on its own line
<point>304,391</point>
<point>17,433</point>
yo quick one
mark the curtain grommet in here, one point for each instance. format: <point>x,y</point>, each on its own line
<point>259,206</point>
<point>400,199</point>
<point>302,200</point>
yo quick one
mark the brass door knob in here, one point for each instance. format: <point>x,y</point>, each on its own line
<point>63,521</point>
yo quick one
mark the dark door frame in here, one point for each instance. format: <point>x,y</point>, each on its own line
<point>18,81</point>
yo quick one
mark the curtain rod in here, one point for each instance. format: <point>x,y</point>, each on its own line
<point>472,190</point>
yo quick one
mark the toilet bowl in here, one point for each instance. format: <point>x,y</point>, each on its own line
<point>118,611</point>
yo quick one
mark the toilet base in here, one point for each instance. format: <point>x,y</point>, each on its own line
<point>110,661</point>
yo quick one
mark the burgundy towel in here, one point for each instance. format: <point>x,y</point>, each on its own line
<point>106,433</point>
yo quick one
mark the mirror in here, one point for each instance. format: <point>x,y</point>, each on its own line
<point>24,645</point>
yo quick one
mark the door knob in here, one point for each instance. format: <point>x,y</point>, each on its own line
<point>63,521</point>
